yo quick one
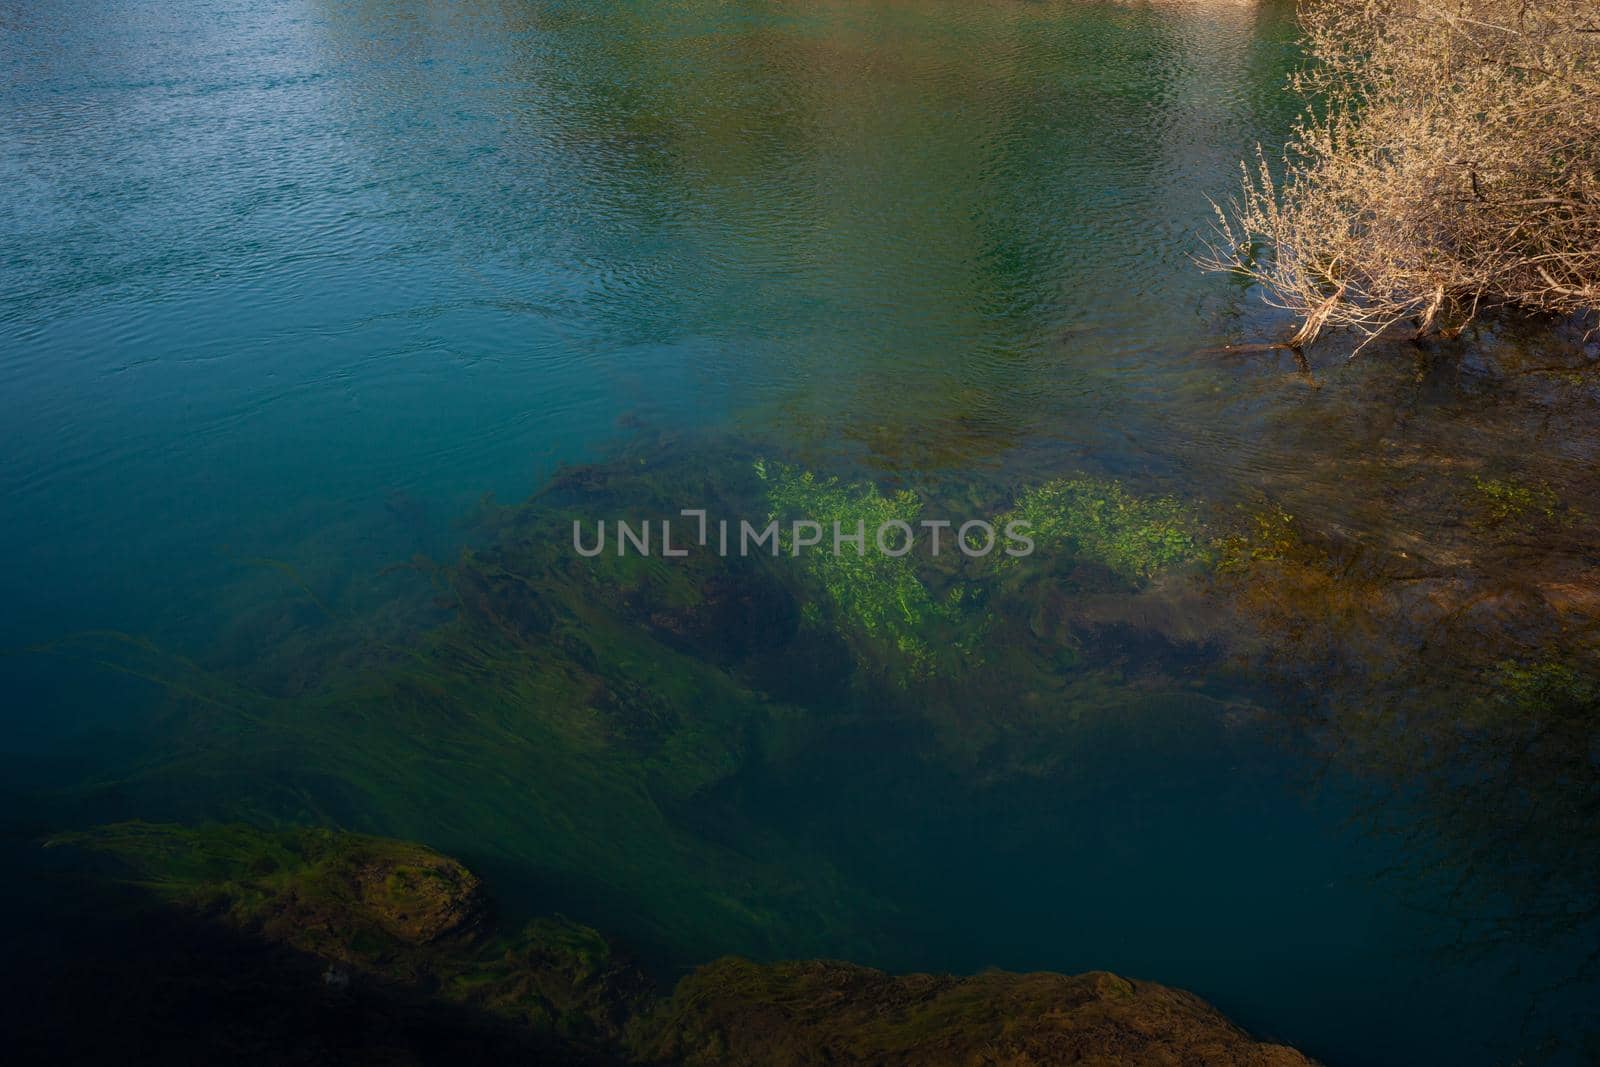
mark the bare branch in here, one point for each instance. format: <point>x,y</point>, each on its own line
<point>1447,164</point>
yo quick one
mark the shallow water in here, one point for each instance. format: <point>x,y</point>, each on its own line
<point>303,282</point>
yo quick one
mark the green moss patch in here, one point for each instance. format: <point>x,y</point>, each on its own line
<point>869,591</point>
<point>1138,538</point>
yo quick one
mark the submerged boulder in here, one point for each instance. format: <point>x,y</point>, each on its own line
<point>735,1012</point>
<point>378,913</point>
<point>371,917</point>
<point>367,901</point>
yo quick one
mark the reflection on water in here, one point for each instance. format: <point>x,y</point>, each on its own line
<point>286,290</point>
<point>286,262</point>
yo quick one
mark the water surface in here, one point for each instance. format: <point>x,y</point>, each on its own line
<point>302,282</point>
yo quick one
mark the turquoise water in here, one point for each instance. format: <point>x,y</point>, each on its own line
<point>264,268</point>
<point>302,282</point>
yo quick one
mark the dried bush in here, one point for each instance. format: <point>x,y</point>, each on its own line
<point>1448,163</point>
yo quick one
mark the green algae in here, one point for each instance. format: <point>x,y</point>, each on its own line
<point>547,728</point>
<point>573,722</point>
<point>1271,535</point>
<point>585,728</point>
<point>578,724</point>
<point>861,588</point>
<point>557,976</point>
<point>1502,500</point>
<point>1137,538</point>
<point>1542,686</point>
<point>306,886</point>
<point>392,912</point>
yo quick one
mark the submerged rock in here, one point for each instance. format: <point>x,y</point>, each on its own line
<point>345,897</point>
<point>381,912</point>
<point>735,1012</point>
<point>371,914</point>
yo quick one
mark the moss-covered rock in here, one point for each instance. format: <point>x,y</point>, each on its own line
<point>361,900</point>
<point>384,911</point>
<point>734,1012</point>
<point>399,916</point>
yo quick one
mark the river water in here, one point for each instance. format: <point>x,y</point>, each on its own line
<point>301,282</point>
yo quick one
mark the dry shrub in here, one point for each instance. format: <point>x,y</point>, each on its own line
<point>1448,164</point>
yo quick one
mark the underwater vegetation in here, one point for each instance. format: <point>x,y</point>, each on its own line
<point>890,597</point>
<point>1547,684</point>
<point>376,913</point>
<point>589,732</point>
<point>1502,500</point>
<point>1270,534</point>
<point>579,726</point>
<point>1137,538</point>
<point>299,885</point>
<point>870,593</point>
<point>379,910</point>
